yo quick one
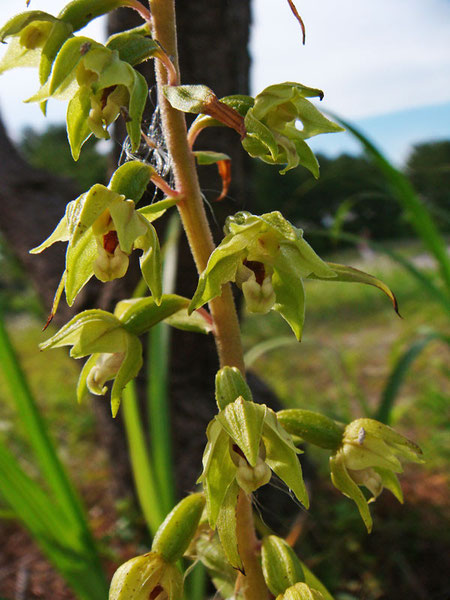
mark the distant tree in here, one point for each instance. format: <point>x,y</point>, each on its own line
<point>311,204</point>
<point>428,167</point>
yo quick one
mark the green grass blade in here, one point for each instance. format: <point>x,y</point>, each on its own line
<point>62,543</point>
<point>421,277</point>
<point>258,350</point>
<point>55,476</point>
<point>415,210</point>
<point>144,477</point>
<point>158,384</point>
<point>399,372</point>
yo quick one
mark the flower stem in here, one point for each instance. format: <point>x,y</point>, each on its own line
<point>190,206</point>
<point>252,584</point>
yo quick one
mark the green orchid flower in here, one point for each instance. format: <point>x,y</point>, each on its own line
<point>271,132</point>
<point>268,258</point>
<point>34,36</point>
<point>245,444</point>
<point>112,340</point>
<point>369,456</point>
<point>99,86</point>
<point>116,353</point>
<point>103,227</point>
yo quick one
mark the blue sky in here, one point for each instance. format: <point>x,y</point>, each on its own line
<point>384,65</point>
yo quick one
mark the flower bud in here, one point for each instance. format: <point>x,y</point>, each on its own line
<point>281,567</point>
<point>145,577</point>
<point>301,591</point>
<point>312,427</point>
<point>176,532</point>
<point>230,384</point>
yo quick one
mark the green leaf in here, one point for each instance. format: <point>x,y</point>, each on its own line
<point>349,274</point>
<point>243,421</point>
<point>226,526</point>
<point>138,315</point>
<point>189,98</point>
<point>344,483</point>
<point>135,45</point>
<point>208,157</point>
<point>219,470</point>
<point>131,180</point>
<point>281,456</point>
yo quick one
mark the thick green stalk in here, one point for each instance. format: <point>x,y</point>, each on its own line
<point>191,206</point>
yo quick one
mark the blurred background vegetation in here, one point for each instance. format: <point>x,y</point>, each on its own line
<point>356,355</point>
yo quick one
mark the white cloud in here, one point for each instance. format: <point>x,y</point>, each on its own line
<point>369,57</point>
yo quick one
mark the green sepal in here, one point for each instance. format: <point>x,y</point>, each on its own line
<point>131,180</point>
<point>281,456</point>
<point>157,209</point>
<point>179,527</point>
<point>219,471</point>
<point>390,482</point>
<point>82,388</point>
<point>189,98</point>
<point>135,45</point>
<point>281,567</point>
<point>312,427</point>
<point>227,526</point>
<point>230,384</point>
<point>209,157</point>
<point>78,130</point>
<point>17,24</point>
<point>243,421</point>
<point>195,322</point>
<point>61,233</point>
<point>139,315</point>
<point>94,323</point>
<point>289,292</point>
<point>130,367</point>
<point>18,56</point>
<point>138,98</point>
<point>129,224</point>
<point>81,12</point>
<point>344,483</point>
<point>150,260</point>
<point>351,275</point>
<point>79,266</point>
<point>210,552</point>
<point>90,206</point>
<point>58,35</point>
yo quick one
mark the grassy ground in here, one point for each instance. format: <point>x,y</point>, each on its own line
<point>352,339</point>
